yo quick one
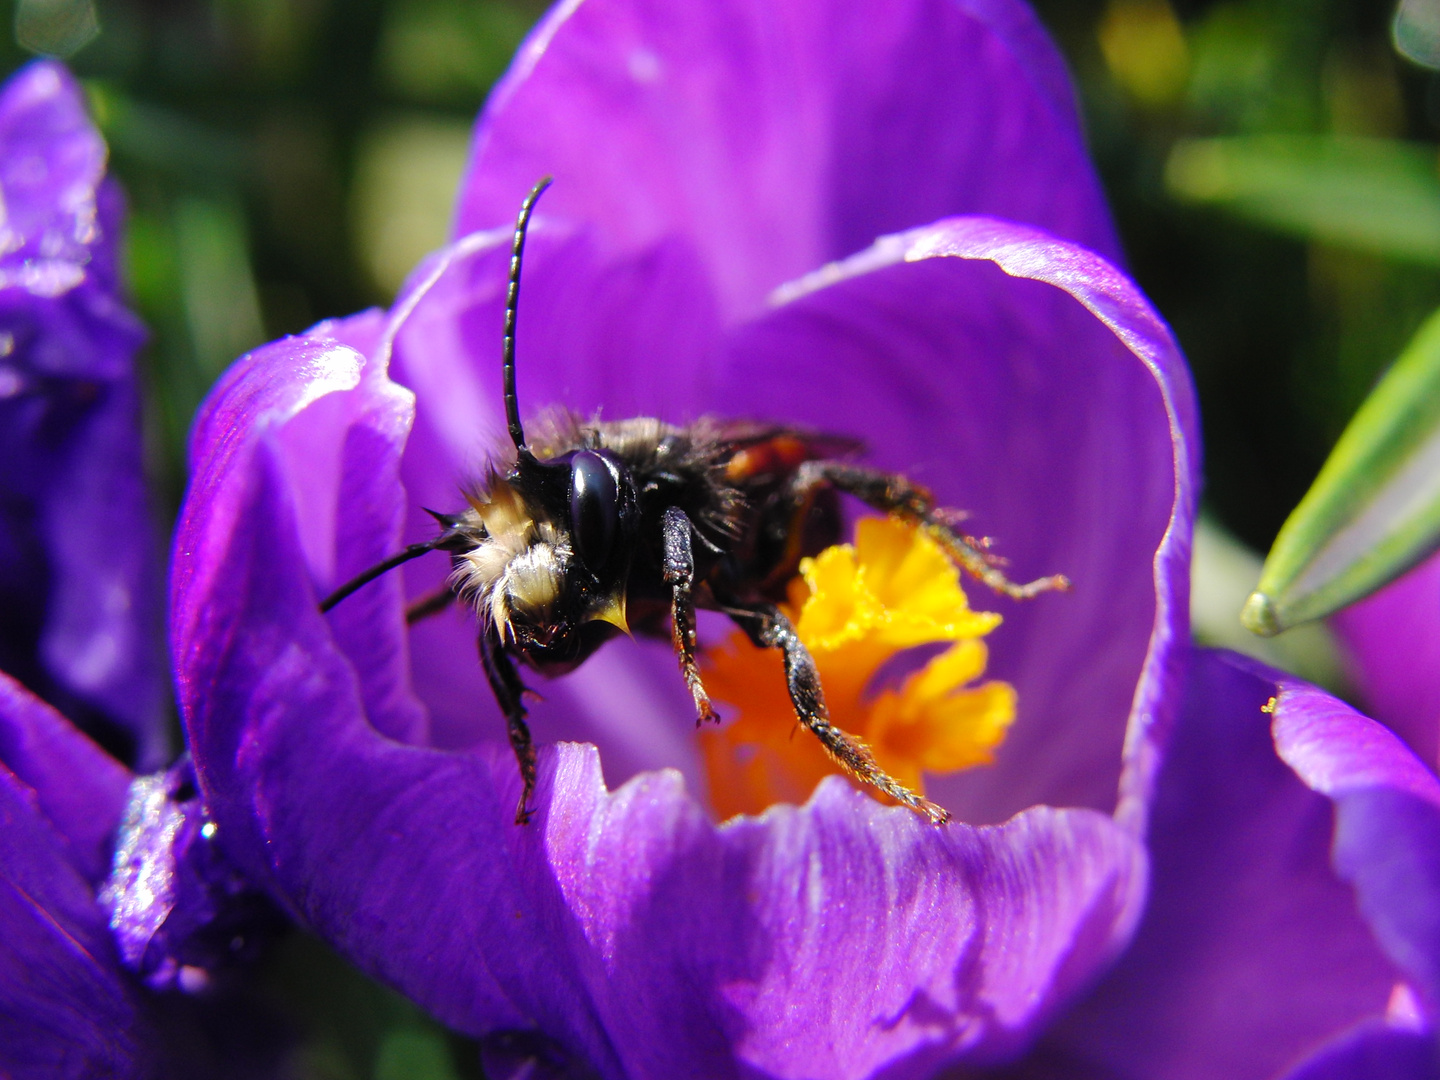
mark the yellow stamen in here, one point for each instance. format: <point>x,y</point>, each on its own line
<point>859,606</point>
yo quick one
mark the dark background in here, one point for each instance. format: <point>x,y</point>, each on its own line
<point>1271,163</point>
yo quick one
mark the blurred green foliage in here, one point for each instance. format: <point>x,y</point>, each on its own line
<point>1274,182</point>
<point>1277,194</point>
<point>355,1029</point>
<point>1374,195</point>
<point>285,160</point>
<point>1272,165</point>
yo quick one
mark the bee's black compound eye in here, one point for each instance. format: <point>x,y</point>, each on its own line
<point>594,507</point>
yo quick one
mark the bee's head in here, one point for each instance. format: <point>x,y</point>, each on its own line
<point>551,571</point>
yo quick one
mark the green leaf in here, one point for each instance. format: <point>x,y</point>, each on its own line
<point>1222,573</point>
<point>1374,510</point>
<point>414,1054</point>
<point>1377,195</point>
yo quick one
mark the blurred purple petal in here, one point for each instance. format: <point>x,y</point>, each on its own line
<point>78,787</point>
<point>1374,1051</point>
<point>80,630</point>
<point>68,1007</point>
<point>769,138</point>
<point>1394,639</point>
<point>66,1010</point>
<point>52,166</point>
<point>1251,954</point>
<point>1387,844</point>
<point>179,911</point>
<point>1387,821</point>
<point>1336,751</point>
<point>79,593</point>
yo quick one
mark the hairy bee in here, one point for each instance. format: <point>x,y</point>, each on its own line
<point>603,526</point>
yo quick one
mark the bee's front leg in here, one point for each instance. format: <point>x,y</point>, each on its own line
<point>509,690</point>
<point>895,494</point>
<point>766,625</point>
<point>679,573</point>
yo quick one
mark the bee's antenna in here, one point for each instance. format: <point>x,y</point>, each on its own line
<point>414,551</point>
<point>451,539</point>
<point>512,304</point>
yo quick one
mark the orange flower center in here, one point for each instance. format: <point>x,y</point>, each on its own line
<point>859,607</point>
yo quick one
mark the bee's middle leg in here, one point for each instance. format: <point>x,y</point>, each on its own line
<point>766,626</point>
<point>679,574</point>
<point>430,604</point>
<point>508,689</point>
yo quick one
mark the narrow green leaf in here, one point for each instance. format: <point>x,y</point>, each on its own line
<point>1374,510</point>
<point>1377,195</point>
<point>1222,573</point>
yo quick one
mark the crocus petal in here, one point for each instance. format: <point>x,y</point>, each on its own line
<point>81,619</point>
<point>1388,818</point>
<point>68,1005</point>
<point>1375,1051</point>
<point>76,785</point>
<point>1387,821</point>
<point>65,1008</point>
<point>632,337</point>
<point>54,163</point>
<point>1252,953</point>
<point>770,137</point>
<point>1394,640</point>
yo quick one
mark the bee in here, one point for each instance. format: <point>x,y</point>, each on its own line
<point>602,527</point>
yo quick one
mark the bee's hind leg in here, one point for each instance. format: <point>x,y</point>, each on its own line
<point>679,574</point>
<point>895,494</point>
<point>505,682</point>
<point>766,626</point>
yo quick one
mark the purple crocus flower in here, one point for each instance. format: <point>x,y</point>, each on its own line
<point>110,884</point>
<point>66,1006</point>
<point>75,584</point>
<point>1289,927</point>
<point>874,218</point>
<point>78,558</point>
<point>99,950</point>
